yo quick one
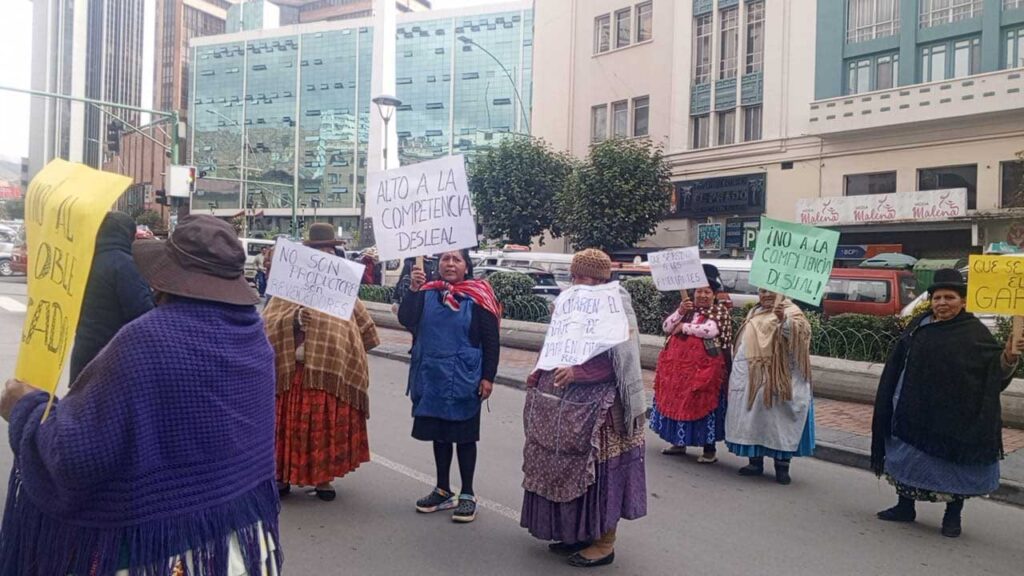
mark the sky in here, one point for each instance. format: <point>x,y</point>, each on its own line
<point>16,30</point>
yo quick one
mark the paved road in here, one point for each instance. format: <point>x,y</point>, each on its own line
<point>703,520</point>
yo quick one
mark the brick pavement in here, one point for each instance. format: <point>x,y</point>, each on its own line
<point>848,417</point>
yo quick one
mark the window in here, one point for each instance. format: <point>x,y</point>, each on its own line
<point>887,72</point>
<point>644,22</point>
<point>602,34</point>
<point>1011,4</point>
<point>865,184</point>
<point>933,63</point>
<point>620,119</point>
<point>870,19</point>
<point>752,123</point>
<point>951,177</point>
<point>857,290</point>
<point>726,128</point>
<point>755,37</point>
<point>966,57</point>
<point>1012,190</point>
<point>702,50</point>
<point>701,127</point>
<point>1015,47</point>
<point>938,12</point>
<point>737,282</point>
<point>858,77</point>
<point>729,43</point>
<point>622,27</point>
<point>599,123</point>
<point>641,116</point>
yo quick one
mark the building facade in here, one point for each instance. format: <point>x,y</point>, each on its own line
<point>759,115</point>
<point>281,118</point>
<point>90,49</point>
<point>250,15</point>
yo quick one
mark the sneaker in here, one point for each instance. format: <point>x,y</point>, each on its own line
<point>466,511</point>
<point>437,501</point>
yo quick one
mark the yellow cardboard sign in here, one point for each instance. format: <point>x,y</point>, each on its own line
<point>995,285</point>
<point>64,207</point>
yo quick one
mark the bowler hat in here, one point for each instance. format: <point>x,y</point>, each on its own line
<point>948,279</point>
<point>202,259</point>
<point>322,235</point>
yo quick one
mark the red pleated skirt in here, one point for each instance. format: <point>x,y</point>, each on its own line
<point>319,437</point>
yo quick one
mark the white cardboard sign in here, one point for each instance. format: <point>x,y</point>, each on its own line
<point>314,279</point>
<point>421,209</point>
<point>678,269</point>
<point>587,321</point>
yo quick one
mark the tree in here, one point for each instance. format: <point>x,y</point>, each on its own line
<point>514,186</point>
<point>13,209</point>
<point>617,197</point>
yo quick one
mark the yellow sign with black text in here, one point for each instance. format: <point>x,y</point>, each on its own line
<point>64,207</point>
<point>995,285</point>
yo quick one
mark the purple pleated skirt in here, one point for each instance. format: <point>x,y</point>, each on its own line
<point>619,492</point>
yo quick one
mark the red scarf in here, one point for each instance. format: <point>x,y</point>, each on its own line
<point>479,291</point>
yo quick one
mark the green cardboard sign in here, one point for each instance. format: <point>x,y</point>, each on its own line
<point>794,259</point>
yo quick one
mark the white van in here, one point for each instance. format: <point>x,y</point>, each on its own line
<point>556,263</point>
<point>735,280</point>
<point>253,247</point>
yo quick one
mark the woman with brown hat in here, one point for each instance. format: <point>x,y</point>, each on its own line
<point>578,486</point>
<point>323,380</point>
<point>161,458</point>
<point>937,430</point>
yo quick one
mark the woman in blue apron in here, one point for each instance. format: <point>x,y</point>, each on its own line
<point>454,323</point>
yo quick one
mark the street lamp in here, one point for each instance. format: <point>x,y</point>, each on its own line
<point>386,105</point>
<point>522,107</point>
<point>316,202</point>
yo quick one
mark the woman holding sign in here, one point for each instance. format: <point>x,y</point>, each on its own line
<point>771,409</point>
<point>454,324</point>
<point>937,430</point>
<point>689,386</point>
<point>322,387</point>
<point>584,455</point>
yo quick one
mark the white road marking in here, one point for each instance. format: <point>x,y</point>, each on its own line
<point>12,305</point>
<point>425,479</point>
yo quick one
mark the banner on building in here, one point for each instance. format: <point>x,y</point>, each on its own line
<point>678,269</point>
<point>64,207</point>
<point>995,285</point>
<point>315,279</point>
<point>793,259</point>
<point>709,237</point>
<point>925,206</point>
<point>422,209</point>
<point>587,321</point>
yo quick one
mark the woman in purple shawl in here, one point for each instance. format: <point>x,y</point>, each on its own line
<point>161,460</point>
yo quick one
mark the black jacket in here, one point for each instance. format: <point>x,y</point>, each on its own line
<point>115,295</point>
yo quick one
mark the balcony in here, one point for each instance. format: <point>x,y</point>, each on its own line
<point>995,92</point>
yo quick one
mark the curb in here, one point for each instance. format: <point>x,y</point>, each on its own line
<point>1009,492</point>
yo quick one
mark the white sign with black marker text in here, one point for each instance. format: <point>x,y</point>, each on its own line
<point>678,269</point>
<point>314,279</point>
<point>587,321</point>
<point>422,209</point>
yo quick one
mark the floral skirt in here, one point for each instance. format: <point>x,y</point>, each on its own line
<point>319,437</point>
<point>922,495</point>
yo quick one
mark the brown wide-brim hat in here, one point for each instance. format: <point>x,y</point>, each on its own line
<point>322,235</point>
<point>203,259</point>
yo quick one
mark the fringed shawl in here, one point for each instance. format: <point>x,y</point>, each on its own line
<point>167,447</point>
<point>770,353</point>
<point>628,371</point>
<point>335,351</point>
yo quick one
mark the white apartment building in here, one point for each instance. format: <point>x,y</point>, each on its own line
<point>823,111</point>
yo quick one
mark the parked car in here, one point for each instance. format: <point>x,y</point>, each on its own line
<point>735,277</point>
<point>544,283</point>
<point>6,256</point>
<point>19,258</point>
<point>875,292</point>
<point>556,263</point>
<point>890,260</point>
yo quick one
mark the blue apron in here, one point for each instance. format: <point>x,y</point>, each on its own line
<point>444,377</point>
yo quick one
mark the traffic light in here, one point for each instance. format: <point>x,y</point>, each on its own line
<point>161,198</point>
<point>114,137</point>
<point>191,179</point>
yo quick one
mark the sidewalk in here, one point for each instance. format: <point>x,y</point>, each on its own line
<point>843,429</point>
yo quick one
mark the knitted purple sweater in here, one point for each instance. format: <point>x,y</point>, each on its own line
<point>165,445</point>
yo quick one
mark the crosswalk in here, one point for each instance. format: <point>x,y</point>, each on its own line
<point>9,304</point>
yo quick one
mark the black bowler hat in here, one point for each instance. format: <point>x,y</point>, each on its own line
<point>948,279</point>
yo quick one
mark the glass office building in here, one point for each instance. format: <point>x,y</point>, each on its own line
<point>283,119</point>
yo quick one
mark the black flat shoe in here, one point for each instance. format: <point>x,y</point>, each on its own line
<point>326,495</point>
<point>751,470</point>
<point>567,549</point>
<point>580,562</point>
<point>897,514</point>
<point>951,527</point>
